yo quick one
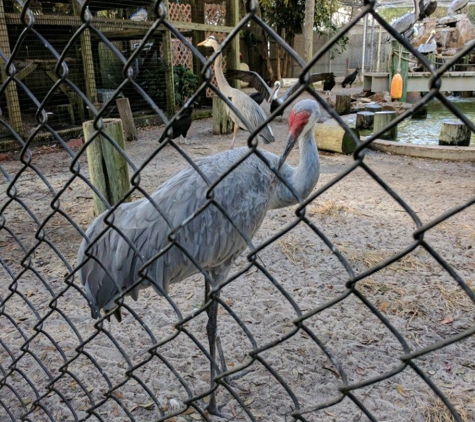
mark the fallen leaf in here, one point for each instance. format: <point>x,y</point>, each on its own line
<point>360,370</point>
<point>148,406</point>
<point>447,320</point>
<point>401,391</point>
<point>330,414</point>
<point>190,295</point>
<point>116,410</point>
<point>229,302</point>
<point>383,306</point>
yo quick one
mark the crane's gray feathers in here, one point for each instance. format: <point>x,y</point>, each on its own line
<point>253,113</point>
<point>206,237</point>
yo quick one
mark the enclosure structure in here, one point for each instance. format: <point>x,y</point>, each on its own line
<point>355,303</point>
<point>93,67</point>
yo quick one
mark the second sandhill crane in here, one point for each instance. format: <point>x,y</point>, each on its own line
<point>167,237</point>
<point>253,114</point>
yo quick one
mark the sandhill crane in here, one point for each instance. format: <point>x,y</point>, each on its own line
<point>133,241</point>
<point>350,78</point>
<point>272,95</point>
<point>251,111</point>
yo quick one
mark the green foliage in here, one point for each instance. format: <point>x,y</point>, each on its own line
<point>186,83</point>
<point>287,18</point>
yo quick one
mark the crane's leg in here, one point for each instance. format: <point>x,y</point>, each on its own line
<point>218,276</point>
<point>236,128</point>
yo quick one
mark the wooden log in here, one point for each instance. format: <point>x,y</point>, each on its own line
<point>342,104</point>
<point>332,137</point>
<point>364,120</point>
<point>374,107</point>
<point>125,113</point>
<point>454,132</point>
<point>421,113</point>
<point>381,120</point>
<point>221,122</point>
<point>108,169</point>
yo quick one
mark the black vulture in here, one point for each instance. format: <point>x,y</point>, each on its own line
<point>350,78</point>
<point>180,126</point>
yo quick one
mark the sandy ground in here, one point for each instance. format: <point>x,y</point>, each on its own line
<point>417,296</point>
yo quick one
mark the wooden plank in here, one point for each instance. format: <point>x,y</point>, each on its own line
<point>169,76</point>
<point>26,71</point>
<point>11,93</point>
<point>108,169</point>
<point>125,113</point>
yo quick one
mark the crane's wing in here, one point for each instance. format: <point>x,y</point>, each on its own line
<point>112,256</point>
<point>314,77</point>
<point>253,114</point>
<point>252,78</point>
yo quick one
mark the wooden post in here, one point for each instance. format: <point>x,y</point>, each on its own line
<point>421,113</point>
<point>399,65</point>
<point>332,137</point>
<point>232,56</point>
<point>169,76</point>
<point>454,132</point>
<point>11,93</point>
<point>381,120</point>
<point>87,61</point>
<point>108,169</point>
<point>221,121</point>
<point>364,120</point>
<point>374,107</point>
<point>125,113</point>
<point>342,104</point>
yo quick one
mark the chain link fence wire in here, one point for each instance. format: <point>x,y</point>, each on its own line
<point>288,357</point>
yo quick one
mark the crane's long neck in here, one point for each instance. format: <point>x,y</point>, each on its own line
<point>302,178</point>
<point>223,84</point>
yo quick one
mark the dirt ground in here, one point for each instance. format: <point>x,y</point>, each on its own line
<point>416,295</point>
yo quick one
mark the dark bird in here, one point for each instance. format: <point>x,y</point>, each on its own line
<point>406,21</point>
<point>253,114</point>
<point>271,95</point>
<point>180,125</point>
<point>456,6</point>
<point>328,84</point>
<point>350,78</point>
<point>134,246</point>
<point>426,9</point>
<point>257,97</point>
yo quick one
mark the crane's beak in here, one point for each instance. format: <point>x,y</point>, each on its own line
<point>290,145</point>
<point>201,43</point>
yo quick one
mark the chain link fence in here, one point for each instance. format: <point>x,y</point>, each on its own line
<point>320,337</point>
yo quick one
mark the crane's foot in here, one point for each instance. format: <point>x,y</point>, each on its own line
<point>213,409</point>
